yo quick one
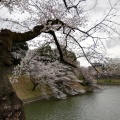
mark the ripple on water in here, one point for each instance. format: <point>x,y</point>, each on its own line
<point>100,105</point>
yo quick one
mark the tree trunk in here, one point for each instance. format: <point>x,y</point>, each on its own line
<point>11,107</point>
<point>34,87</point>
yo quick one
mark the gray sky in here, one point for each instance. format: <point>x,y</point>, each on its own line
<point>113,44</point>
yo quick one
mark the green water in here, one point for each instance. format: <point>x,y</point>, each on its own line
<point>100,105</point>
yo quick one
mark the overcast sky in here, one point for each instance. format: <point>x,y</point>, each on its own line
<point>113,45</point>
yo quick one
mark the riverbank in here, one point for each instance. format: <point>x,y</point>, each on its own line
<point>24,90</point>
<point>108,81</point>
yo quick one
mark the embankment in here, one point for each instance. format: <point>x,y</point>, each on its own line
<point>24,87</point>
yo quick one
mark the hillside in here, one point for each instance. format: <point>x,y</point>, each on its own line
<point>24,90</point>
<point>48,76</point>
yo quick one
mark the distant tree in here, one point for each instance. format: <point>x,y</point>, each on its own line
<point>111,67</point>
<point>89,79</point>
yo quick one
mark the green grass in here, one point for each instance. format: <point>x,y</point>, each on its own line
<point>109,81</point>
<point>24,87</point>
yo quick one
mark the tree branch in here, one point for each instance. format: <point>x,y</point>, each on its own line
<point>37,30</point>
<point>59,49</point>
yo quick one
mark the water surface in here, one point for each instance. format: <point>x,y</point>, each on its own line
<point>100,105</point>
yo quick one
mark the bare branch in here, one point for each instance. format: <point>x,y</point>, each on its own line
<point>105,18</point>
<point>59,49</point>
<point>83,52</point>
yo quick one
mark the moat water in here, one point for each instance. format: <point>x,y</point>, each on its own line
<point>99,105</point>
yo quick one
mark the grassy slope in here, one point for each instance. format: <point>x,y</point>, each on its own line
<point>109,81</point>
<point>23,89</point>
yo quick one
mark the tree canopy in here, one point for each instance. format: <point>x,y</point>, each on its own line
<point>85,38</point>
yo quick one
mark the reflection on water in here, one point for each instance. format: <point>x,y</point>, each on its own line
<point>100,105</point>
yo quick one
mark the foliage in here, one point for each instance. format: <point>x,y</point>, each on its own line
<point>112,67</point>
<point>88,78</point>
<point>47,54</point>
<point>18,52</point>
<point>45,70</point>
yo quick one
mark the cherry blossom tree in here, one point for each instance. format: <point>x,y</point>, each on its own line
<point>111,67</point>
<point>62,22</point>
<point>44,69</point>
